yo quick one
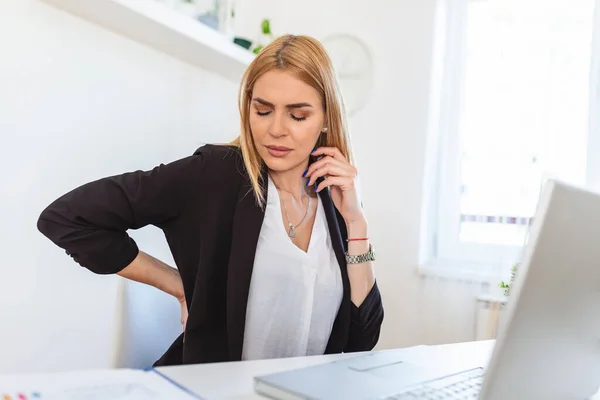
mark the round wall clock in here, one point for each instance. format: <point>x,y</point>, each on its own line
<point>352,61</point>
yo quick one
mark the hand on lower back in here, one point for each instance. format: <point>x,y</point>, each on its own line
<point>152,271</point>
<point>184,312</point>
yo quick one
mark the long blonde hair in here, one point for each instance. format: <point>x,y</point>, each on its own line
<point>306,58</point>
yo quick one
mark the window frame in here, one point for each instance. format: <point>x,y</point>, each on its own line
<point>442,253</point>
<point>593,154</point>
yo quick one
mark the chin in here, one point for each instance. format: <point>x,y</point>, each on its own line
<point>277,164</point>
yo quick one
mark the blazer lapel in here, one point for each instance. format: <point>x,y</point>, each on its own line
<point>339,332</point>
<point>247,222</point>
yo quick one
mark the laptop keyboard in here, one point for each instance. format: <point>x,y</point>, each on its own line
<point>464,386</point>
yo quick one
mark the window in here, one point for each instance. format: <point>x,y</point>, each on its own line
<point>514,111</point>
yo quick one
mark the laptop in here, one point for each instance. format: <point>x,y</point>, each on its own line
<point>547,348</point>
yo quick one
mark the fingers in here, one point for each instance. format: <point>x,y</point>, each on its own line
<point>334,167</point>
<point>327,170</point>
<point>331,152</point>
<point>341,181</point>
<point>329,166</point>
<point>184,315</point>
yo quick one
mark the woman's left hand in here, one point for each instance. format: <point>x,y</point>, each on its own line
<point>341,177</point>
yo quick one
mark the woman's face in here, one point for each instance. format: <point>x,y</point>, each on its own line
<point>286,119</point>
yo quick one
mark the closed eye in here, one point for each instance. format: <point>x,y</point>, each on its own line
<point>297,118</point>
<point>265,113</point>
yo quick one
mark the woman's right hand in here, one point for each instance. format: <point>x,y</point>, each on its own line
<point>184,312</point>
<point>151,271</point>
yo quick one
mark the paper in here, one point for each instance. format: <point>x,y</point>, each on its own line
<point>117,384</point>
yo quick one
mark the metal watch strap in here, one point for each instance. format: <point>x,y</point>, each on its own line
<point>361,258</point>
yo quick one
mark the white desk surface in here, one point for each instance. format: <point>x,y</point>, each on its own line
<point>235,380</point>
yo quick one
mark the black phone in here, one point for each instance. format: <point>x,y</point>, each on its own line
<point>312,160</point>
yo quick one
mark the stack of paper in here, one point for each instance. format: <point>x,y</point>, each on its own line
<point>121,384</point>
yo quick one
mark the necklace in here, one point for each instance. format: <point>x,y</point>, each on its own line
<point>292,227</point>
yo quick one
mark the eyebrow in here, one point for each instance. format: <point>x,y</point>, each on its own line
<point>295,105</point>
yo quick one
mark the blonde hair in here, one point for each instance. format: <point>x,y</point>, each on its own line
<point>306,58</point>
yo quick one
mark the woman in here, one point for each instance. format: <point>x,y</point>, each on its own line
<point>269,236</point>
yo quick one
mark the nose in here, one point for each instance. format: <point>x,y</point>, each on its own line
<point>278,128</point>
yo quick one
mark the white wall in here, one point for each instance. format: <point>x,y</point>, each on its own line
<point>77,103</point>
<point>390,140</point>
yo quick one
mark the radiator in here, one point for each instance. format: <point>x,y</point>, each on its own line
<point>488,316</point>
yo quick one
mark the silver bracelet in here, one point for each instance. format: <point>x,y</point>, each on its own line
<point>361,258</point>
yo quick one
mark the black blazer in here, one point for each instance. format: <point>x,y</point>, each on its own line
<point>206,208</point>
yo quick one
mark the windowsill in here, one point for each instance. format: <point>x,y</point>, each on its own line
<point>463,271</point>
<point>492,299</point>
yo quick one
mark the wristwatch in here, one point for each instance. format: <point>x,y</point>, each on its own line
<point>361,258</point>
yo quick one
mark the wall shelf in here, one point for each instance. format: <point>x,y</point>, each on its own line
<point>153,24</point>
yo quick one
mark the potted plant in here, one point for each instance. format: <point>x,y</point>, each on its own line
<point>507,286</point>
<point>266,35</point>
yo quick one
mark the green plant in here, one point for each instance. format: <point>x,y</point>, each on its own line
<point>266,26</point>
<point>265,29</point>
<point>506,286</point>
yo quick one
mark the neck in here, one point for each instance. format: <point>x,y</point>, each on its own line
<point>291,181</point>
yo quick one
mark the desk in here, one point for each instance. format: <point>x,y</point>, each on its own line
<point>235,380</point>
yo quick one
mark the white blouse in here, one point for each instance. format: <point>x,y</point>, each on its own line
<point>294,295</point>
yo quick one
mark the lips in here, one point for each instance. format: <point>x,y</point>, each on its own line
<point>278,151</point>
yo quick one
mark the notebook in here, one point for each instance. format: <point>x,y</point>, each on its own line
<point>122,384</point>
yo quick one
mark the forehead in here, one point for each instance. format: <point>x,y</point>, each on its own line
<point>281,87</point>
